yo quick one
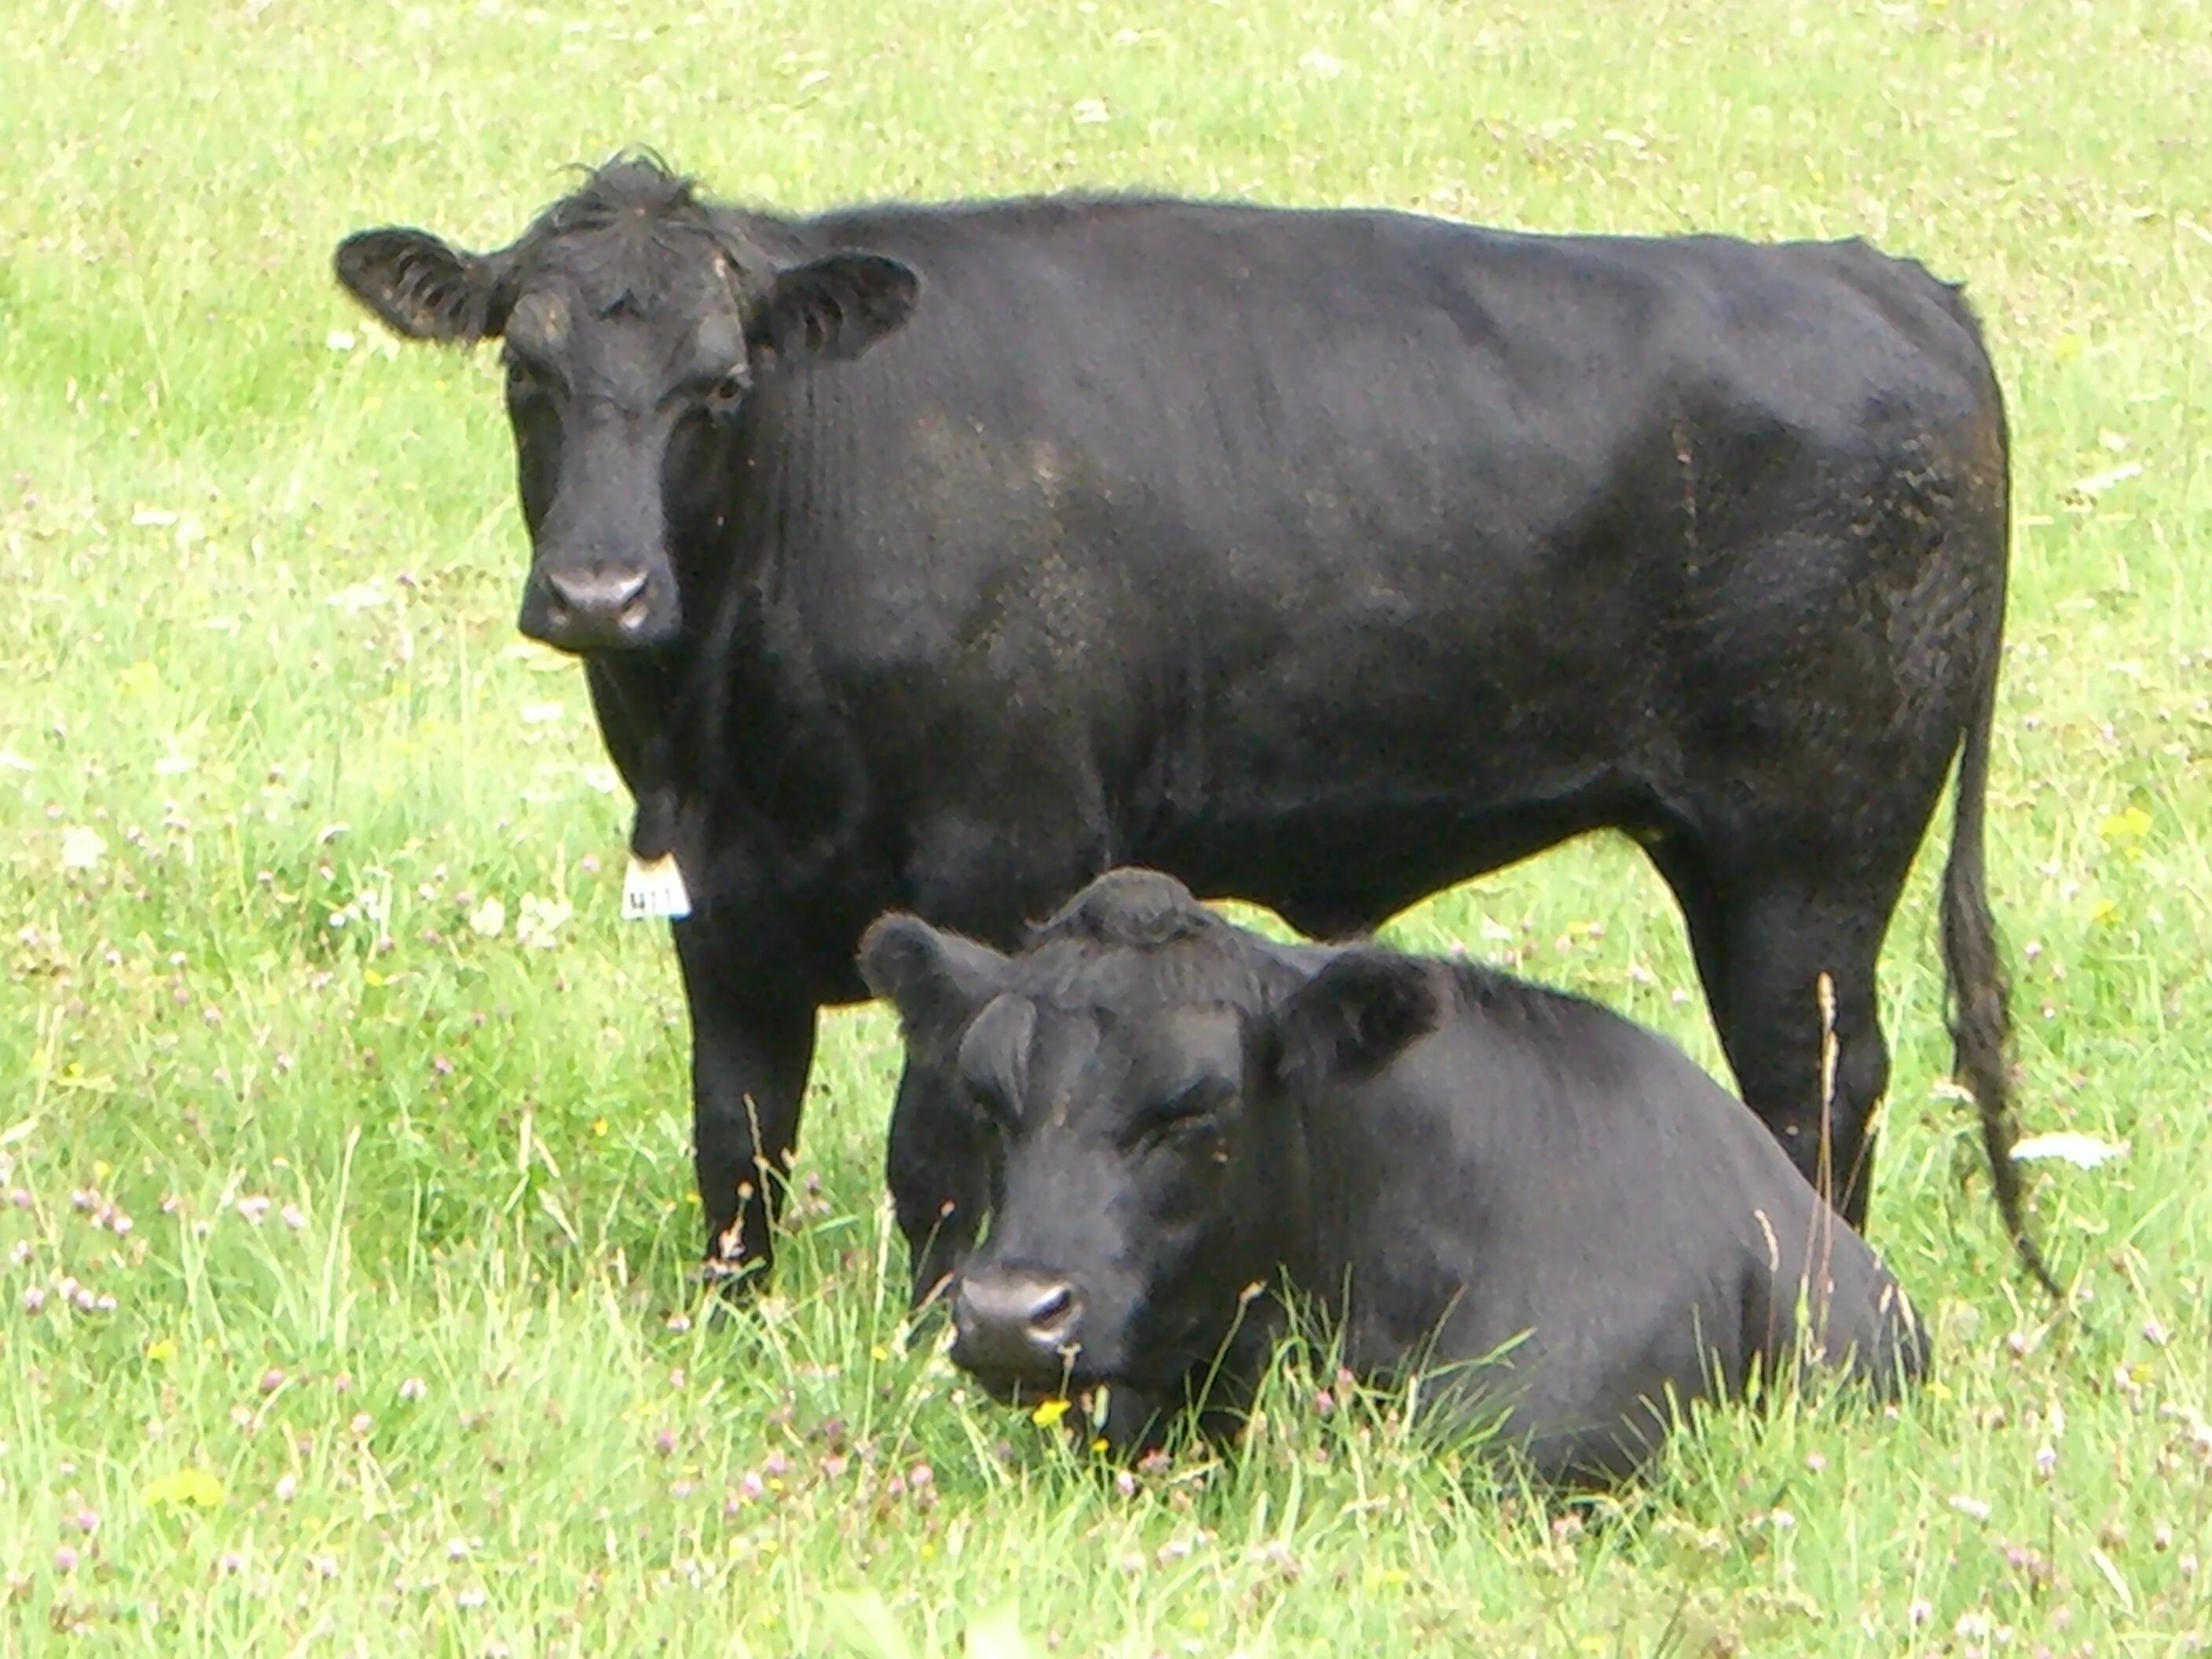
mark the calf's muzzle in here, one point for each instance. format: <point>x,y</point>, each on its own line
<point>1016,1325</point>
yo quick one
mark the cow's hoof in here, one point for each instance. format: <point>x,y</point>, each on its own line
<point>731,1283</point>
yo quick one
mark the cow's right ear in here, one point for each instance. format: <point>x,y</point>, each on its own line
<point>936,980</point>
<point>426,288</point>
<point>1354,1016</point>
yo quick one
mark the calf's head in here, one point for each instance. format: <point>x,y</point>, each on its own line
<point>1150,1075</point>
<point>637,321</point>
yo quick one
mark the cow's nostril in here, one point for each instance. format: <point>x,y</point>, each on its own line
<point>1053,1310</point>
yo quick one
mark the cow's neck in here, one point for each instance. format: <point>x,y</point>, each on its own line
<point>726,741</point>
<point>641,707</point>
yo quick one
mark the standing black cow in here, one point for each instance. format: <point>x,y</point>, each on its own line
<point>1549,1209</point>
<point>939,558</point>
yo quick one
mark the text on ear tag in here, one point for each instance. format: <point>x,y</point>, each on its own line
<point>655,888</point>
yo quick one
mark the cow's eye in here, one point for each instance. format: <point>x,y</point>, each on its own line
<point>1193,1110</point>
<point>726,393</point>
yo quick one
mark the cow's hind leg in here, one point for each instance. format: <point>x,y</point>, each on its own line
<point>752,1045</point>
<point>1764,943</point>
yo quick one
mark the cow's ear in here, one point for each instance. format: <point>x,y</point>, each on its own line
<point>935,979</point>
<point>1354,1016</point>
<point>425,288</point>
<point>837,306</point>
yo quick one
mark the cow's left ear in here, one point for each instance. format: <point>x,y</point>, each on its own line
<point>1354,1016</point>
<point>835,306</point>
<point>936,980</point>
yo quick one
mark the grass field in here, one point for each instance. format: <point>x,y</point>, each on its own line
<point>347,1212</point>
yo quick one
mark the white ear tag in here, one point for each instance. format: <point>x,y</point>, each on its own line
<point>654,890</point>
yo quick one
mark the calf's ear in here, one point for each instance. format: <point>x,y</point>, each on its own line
<point>1354,1016</point>
<point>935,979</point>
<point>426,288</point>
<point>837,306</point>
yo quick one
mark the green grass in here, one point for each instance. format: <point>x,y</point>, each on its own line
<point>394,1211</point>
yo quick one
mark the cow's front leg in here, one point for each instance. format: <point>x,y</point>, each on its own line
<point>752,1041</point>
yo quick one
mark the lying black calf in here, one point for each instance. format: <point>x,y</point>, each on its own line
<point>1549,1212</point>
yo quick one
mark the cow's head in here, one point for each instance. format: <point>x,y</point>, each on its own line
<point>637,321</point>
<point>1145,1069</point>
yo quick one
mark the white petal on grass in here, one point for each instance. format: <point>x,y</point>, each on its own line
<point>1090,111</point>
<point>489,918</point>
<point>83,848</point>
<point>2097,483</point>
<point>340,339</point>
<point>537,921</point>
<point>599,778</point>
<point>173,766</point>
<point>541,713</point>
<point>361,596</point>
<point>2067,1146</point>
<point>152,518</point>
<point>12,762</point>
<point>1323,65</point>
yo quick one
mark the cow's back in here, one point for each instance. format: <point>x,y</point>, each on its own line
<point>1310,395</point>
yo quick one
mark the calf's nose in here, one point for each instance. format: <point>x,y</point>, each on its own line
<point>1015,1322</point>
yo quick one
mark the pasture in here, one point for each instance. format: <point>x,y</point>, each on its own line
<point>346,1213</point>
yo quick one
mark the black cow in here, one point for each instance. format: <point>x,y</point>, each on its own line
<point>1456,1166</point>
<point>941,557</point>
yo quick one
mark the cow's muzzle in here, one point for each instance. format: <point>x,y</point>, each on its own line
<point>1016,1325</point>
<point>600,607</point>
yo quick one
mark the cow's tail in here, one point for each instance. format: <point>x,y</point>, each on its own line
<point>1979,995</point>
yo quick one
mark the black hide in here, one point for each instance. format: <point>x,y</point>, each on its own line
<point>940,557</point>
<point>1550,1214</point>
